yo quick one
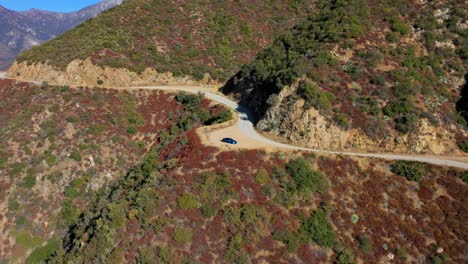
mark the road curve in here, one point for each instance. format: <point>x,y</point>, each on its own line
<point>246,126</point>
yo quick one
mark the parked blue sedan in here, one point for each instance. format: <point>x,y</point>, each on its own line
<point>229,141</point>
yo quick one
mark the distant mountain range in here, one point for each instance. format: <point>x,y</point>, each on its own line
<point>22,30</point>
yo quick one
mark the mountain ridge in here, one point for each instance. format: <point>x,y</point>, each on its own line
<point>22,30</point>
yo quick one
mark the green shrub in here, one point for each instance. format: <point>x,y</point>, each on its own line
<point>207,211</point>
<point>377,80</point>
<point>373,57</point>
<point>400,27</point>
<point>96,129</point>
<point>69,212</point>
<point>353,70</point>
<point>17,168</point>
<point>71,192</point>
<point>76,156</point>
<point>13,205</point>
<point>401,253</point>
<point>100,82</point>
<point>341,120</point>
<point>392,37</point>
<point>406,123</point>
<point>164,254</point>
<point>463,176</point>
<point>221,118</point>
<point>50,159</point>
<point>29,181</point>
<point>398,107</point>
<point>319,229</point>
<point>187,201</point>
<point>72,119</point>
<point>437,260</point>
<point>320,100</point>
<point>132,130</point>
<point>49,128</point>
<point>24,239</point>
<point>323,58</point>
<point>369,105</point>
<point>290,239</point>
<point>182,235</point>
<point>345,257</point>
<point>411,170</point>
<point>464,146</point>
<point>365,244</point>
<point>41,254</point>
<point>191,102</point>
<point>136,119</point>
<point>234,252</point>
<point>306,178</point>
<point>262,177</point>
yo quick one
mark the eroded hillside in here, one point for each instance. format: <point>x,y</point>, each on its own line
<point>365,75</point>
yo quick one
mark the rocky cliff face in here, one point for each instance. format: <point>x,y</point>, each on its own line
<point>85,73</point>
<point>23,30</point>
<point>351,77</point>
<point>290,120</point>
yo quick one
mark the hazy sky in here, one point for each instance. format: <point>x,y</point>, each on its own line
<point>51,5</point>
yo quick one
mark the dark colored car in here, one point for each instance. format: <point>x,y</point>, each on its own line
<point>229,141</point>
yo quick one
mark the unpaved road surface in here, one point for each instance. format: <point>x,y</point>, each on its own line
<point>244,132</point>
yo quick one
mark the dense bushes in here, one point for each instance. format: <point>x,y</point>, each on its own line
<point>463,146</point>
<point>319,229</point>
<point>316,228</point>
<point>194,113</point>
<point>365,244</point>
<point>411,170</point>
<point>403,112</point>
<point>320,100</point>
<point>285,60</point>
<point>126,33</point>
<point>306,178</point>
<point>187,201</point>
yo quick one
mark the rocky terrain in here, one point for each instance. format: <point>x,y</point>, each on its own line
<point>23,30</point>
<point>95,173</point>
<point>369,76</point>
<point>86,181</point>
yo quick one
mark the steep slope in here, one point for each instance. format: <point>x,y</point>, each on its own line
<point>58,144</point>
<point>365,75</point>
<point>182,37</point>
<point>23,30</point>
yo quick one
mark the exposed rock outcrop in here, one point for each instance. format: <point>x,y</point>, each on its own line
<point>289,120</point>
<point>85,73</point>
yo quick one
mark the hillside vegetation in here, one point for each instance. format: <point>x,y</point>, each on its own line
<point>381,67</point>
<point>182,37</point>
<point>59,145</point>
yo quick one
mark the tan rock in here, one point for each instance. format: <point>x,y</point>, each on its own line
<point>293,123</point>
<point>85,73</point>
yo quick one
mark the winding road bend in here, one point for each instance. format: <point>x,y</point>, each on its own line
<point>246,127</point>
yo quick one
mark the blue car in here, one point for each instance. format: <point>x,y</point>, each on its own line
<point>229,141</point>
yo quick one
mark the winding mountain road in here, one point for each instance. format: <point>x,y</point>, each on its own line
<point>250,136</point>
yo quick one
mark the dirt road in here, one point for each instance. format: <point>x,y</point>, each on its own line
<point>244,132</point>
